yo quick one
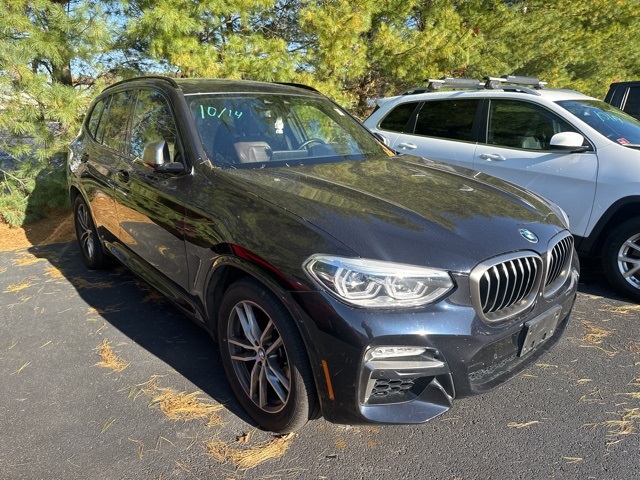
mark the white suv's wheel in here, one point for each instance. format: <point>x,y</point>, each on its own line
<point>621,258</point>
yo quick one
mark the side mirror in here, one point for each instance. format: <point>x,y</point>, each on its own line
<point>156,154</point>
<point>570,141</point>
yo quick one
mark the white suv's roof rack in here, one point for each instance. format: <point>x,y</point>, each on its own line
<point>506,82</point>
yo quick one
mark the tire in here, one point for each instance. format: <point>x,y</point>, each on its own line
<point>91,251</point>
<point>265,359</point>
<point>621,258</point>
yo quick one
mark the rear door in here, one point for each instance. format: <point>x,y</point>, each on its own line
<point>516,148</point>
<point>442,130</point>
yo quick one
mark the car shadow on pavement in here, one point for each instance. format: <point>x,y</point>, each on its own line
<point>148,319</point>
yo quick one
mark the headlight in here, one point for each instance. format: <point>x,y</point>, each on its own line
<point>373,283</point>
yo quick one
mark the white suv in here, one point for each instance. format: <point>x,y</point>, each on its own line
<point>575,150</point>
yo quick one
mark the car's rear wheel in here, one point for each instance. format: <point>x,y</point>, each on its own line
<point>621,258</point>
<point>265,358</point>
<point>91,250</point>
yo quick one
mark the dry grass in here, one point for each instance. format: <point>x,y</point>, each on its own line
<point>248,458</point>
<point>629,417</point>
<point>18,287</point>
<point>626,310</point>
<point>109,359</point>
<point>26,259</point>
<point>594,335</point>
<point>53,272</point>
<point>2,270</point>
<point>79,282</point>
<point>181,405</point>
<point>522,425</point>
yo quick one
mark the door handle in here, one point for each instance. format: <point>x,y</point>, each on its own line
<point>407,146</point>
<point>492,157</point>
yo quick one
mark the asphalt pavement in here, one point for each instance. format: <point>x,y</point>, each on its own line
<point>575,414</point>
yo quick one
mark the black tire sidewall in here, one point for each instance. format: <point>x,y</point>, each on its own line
<point>297,411</point>
<point>612,246</point>
<point>99,259</point>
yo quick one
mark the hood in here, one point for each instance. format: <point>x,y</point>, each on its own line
<point>408,210</point>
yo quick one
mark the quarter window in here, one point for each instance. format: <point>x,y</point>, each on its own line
<point>516,124</point>
<point>450,119</point>
<point>94,119</point>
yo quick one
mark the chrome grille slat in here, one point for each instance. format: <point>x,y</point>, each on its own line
<point>558,263</point>
<point>507,285</point>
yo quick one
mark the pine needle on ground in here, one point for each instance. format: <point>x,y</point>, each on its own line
<point>248,458</point>
<point>109,359</point>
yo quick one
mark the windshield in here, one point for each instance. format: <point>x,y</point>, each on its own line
<point>257,131</point>
<point>606,119</point>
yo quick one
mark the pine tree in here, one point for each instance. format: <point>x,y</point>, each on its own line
<point>41,43</point>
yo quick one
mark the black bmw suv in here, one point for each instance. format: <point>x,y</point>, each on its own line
<point>338,278</point>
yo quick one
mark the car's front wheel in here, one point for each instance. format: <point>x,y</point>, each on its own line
<point>91,250</point>
<point>621,258</point>
<point>265,358</point>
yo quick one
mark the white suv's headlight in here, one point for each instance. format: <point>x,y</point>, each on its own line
<point>373,283</point>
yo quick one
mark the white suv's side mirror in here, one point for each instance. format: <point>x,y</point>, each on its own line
<point>571,141</point>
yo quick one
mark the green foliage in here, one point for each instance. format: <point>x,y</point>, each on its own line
<point>40,101</point>
<point>55,55</point>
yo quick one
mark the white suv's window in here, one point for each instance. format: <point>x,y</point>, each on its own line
<point>396,120</point>
<point>609,121</point>
<point>450,119</point>
<point>516,124</point>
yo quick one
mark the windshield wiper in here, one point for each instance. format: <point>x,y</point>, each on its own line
<point>635,146</point>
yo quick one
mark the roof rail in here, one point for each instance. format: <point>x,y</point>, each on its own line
<point>171,81</point>
<point>445,82</point>
<point>298,85</point>
<point>514,83</point>
<point>497,82</point>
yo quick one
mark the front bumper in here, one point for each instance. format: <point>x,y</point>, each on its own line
<point>462,354</point>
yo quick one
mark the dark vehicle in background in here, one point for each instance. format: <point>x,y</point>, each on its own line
<point>625,96</point>
<point>338,278</point>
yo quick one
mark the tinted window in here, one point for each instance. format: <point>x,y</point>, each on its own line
<point>94,119</point>
<point>516,124</point>
<point>397,119</point>
<point>451,119</point>
<point>152,121</point>
<point>632,105</point>
<point>115,130</point>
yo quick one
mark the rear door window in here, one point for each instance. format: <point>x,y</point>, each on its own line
<point>450,119</point>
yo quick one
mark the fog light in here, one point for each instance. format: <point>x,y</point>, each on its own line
<point>390,352</point>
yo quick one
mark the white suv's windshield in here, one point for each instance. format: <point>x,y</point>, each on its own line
<point>609,121</point>
<point>257,131</point>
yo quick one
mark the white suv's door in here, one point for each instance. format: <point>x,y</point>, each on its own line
<point>440,129</point>
<point>517,149</point>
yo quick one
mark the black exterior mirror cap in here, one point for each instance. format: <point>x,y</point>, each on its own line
<point>172,167</point>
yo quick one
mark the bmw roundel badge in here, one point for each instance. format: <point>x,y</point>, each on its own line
<point>529,235</point>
